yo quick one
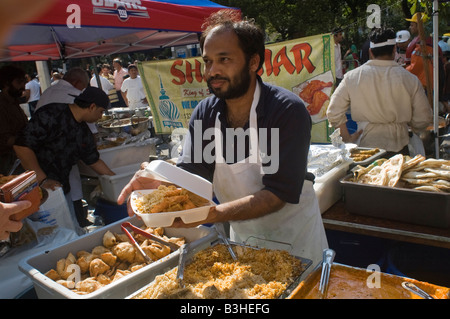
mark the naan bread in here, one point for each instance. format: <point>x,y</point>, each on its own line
<point>412,162</point>
<point>419,174</point>
<point>376,176</point>
<point>393,168</point>
<point>440,172</point>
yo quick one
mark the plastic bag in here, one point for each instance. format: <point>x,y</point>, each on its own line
<point>415,146</point>
<point>55,211</point>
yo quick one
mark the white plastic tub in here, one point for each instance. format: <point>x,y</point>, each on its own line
<point>113,185</point>
<point>328,188</point>
<point>37,265</point>
<point>120,156</point>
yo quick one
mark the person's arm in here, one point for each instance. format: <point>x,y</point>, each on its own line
<point>346,136</point>
<point>123,91</point>
<point>26,94</point>
<point>29,161</point>
<point>252,206</point>
<point>101,168</point>
<point>422,115</point>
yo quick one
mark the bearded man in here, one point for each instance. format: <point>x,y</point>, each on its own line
<point>278,205</point>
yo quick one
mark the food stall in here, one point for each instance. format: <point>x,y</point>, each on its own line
<point>206,263</point>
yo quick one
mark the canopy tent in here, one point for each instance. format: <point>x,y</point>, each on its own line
<point>84,28</point>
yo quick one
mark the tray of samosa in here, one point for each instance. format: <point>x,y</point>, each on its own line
<point>106,263</point>
<point>212,273</point>
<point>414,190</point>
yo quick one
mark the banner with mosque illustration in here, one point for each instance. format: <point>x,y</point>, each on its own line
<point>305,66</point>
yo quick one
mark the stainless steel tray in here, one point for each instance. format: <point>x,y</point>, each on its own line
<point>369,160</point>
<point>306,263</point>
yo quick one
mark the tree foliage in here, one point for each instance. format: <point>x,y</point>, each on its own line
<point>289,19</point>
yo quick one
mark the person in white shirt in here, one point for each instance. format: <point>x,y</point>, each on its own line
<point>385,100</point>
<point>32,93</point>
<point>132,89</point>
<point>106,85</point>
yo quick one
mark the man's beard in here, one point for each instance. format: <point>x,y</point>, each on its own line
<point>237,88</point>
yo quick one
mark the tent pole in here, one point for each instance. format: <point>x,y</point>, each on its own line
<point>44,74</point>
<point>436,75</point>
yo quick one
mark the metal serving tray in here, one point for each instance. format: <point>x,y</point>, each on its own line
<point>37,265</point>
<point>308,289</point>
<point>369,160</point>
<point>306,263</point>
<point>400,204</point>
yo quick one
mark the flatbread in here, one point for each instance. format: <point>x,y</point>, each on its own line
<point>440,172</point>
<point>419,181</point>
<point>428,188</point>
<point>376,176</point>
<point>419,174</point>
<point>412,162</point>
<point>393,168</point>
<point>433,163</point>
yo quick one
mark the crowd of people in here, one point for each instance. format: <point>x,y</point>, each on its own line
<point>50,130</point>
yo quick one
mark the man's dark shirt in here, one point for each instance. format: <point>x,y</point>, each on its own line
<point>59,141</point>
<point>277,108</point>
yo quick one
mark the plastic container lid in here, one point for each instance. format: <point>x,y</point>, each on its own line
<point>170,173</point>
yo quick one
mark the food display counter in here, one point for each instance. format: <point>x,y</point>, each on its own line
<point>338,218</point>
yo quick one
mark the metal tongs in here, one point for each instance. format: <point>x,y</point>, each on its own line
<point>416,290</point>
<point>223,237</point>
<point>142,232</point>
<point>327,262</point>
<point>181,262</point>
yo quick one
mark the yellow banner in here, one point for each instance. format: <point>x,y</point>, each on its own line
<point>305,66</point>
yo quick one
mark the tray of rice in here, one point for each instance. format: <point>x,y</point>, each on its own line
<point>190,199</point>
<point>211,273</point>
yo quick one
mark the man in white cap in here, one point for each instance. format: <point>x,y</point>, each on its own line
<point>402,41</point>
<point>385,100</point>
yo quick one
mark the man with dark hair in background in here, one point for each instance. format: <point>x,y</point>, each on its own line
<point>57,137</point>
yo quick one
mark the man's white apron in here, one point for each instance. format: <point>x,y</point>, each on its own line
<point>299,225</point>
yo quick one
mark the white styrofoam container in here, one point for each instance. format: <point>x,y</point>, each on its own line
<point>327,187</point>
<point>121,156</point>
<point>37,265</point>
<point>167,172</point>
<point>113,185</point>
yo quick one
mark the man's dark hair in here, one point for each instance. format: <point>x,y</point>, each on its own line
<point>9,73</point>
<point>251,37</point>
<point>380,35</point>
